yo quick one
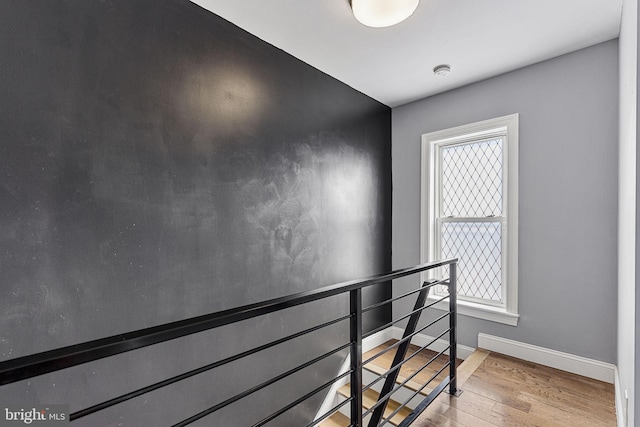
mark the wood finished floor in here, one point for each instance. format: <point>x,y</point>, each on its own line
<point>504,391</point>
<point>499,390</point>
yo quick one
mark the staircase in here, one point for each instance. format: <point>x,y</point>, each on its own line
<point>378,366</point>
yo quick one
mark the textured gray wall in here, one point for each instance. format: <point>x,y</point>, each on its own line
<point>568,110</point>
<point>159,163</point>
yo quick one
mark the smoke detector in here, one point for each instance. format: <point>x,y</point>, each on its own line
<point>442,70</point>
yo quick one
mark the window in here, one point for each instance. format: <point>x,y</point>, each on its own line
<point>470,212</point>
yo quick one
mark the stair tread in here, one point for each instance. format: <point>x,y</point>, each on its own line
<point>337,419</point>
<point>370,397</point>
<point>381,364</point>
<point>413,365</point>
<point>411,384</point>
<point>464,368</point>
<point>471,363</point>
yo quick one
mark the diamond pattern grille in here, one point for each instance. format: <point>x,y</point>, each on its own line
<point>472,179</point>
<point>478,246</point>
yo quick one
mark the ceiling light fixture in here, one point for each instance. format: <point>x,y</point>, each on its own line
<point>442,70</point>
<point>383,13</point>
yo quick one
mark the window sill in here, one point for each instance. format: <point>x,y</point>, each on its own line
<point>492,314</point>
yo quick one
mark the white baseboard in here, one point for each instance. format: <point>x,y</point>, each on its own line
<point>555,359</point>
<point>462,351</point>
<point>376,339</point>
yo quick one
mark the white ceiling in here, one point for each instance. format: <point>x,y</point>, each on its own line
<point>478,38</point>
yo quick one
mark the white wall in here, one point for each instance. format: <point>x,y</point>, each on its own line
<point>568,195</point>
<point>627,236</point>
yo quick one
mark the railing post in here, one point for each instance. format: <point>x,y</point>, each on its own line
<point>453,342</point>
<point>355,298</point>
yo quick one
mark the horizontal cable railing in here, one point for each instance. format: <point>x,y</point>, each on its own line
<point>27,367</point>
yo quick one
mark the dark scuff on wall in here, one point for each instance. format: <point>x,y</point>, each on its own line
<point>159,163</point>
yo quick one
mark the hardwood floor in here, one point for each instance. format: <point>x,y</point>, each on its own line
<point>499,390</point>
<point>504,391</point>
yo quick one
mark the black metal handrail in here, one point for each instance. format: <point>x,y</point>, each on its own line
<point>27,367</point>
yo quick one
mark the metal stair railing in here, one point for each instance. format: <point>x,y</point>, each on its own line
<point>27,367</point>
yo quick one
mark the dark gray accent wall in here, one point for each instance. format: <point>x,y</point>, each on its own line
<point>158,163</point>
<point>568,146</point>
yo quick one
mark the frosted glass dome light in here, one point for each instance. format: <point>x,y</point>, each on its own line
<point>383,13</point>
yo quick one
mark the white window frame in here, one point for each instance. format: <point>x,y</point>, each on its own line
<point>507,128</point>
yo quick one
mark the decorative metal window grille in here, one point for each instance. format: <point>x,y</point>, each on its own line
<point>472,179</point>
<point>479,249</point>
<point>469,216</point>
